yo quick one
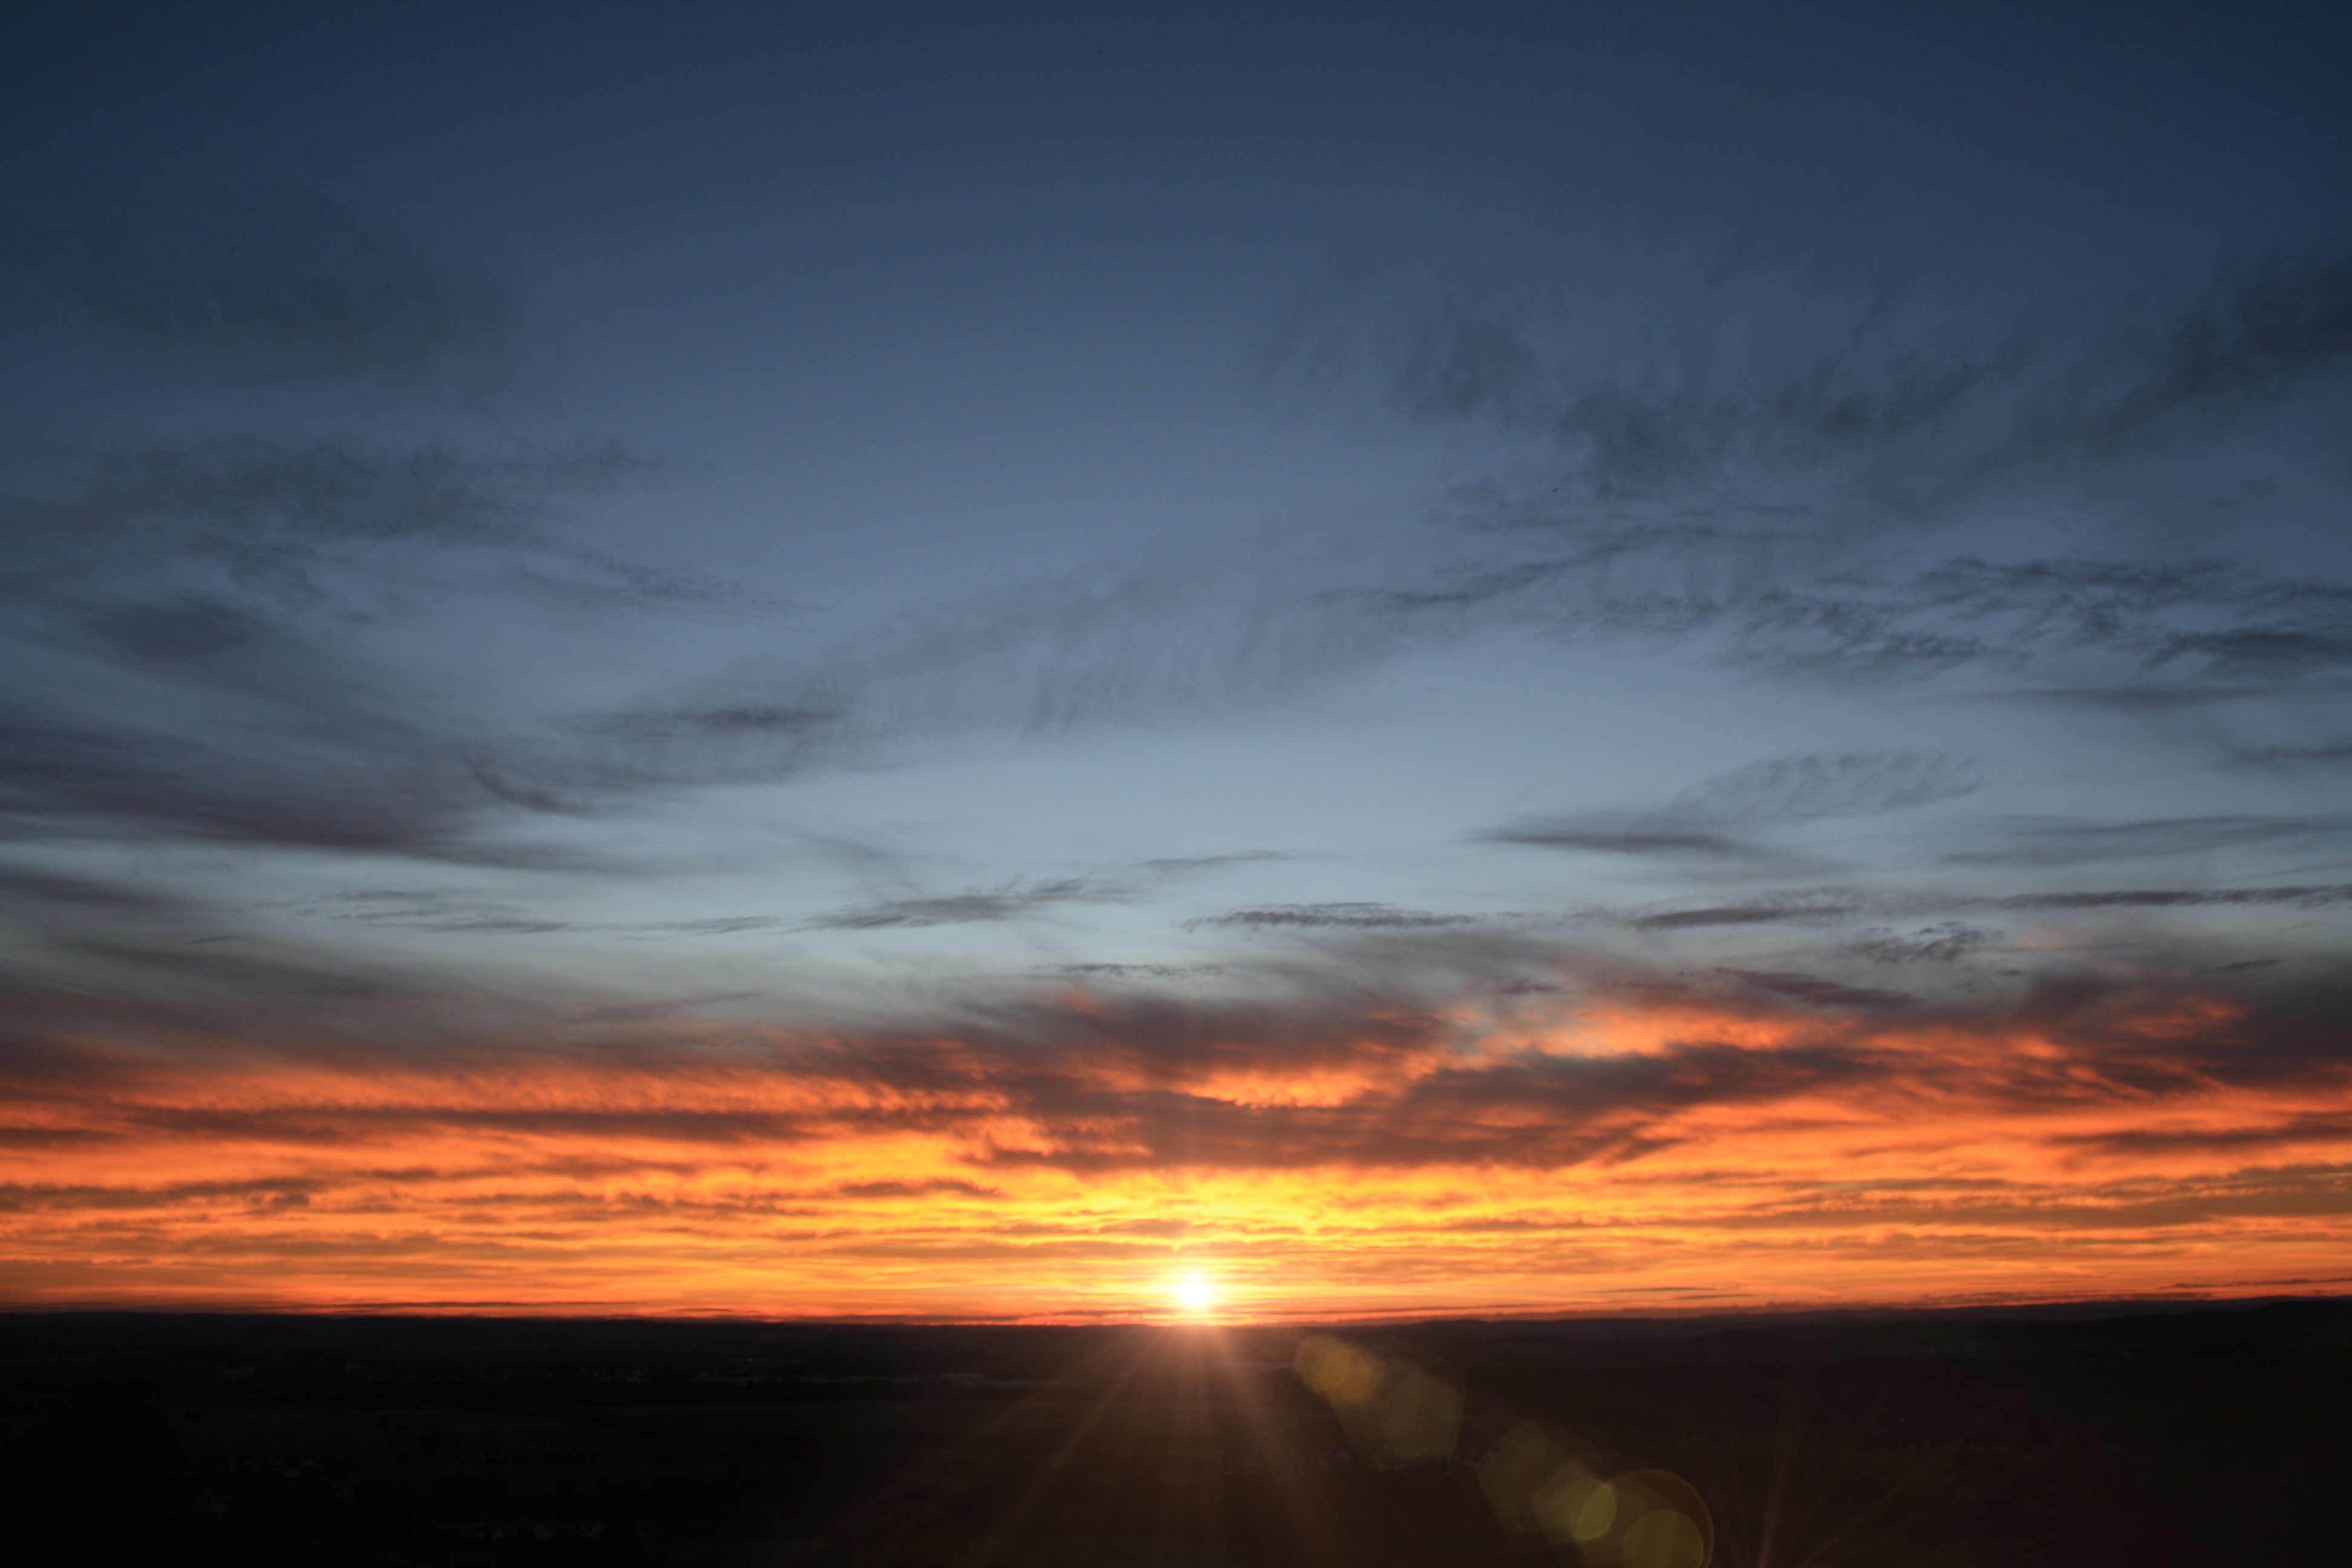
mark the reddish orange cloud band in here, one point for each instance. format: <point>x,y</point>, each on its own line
<point>1655,1156</point>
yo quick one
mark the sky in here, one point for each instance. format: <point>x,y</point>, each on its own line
<point>979,662</point>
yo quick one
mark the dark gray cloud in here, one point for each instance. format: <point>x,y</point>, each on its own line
<point>2067,843</point>
<point>431,911</point>
<point>1816,992</point>
<point>715,925</point>
<point>2141,701</point>
<point>1826,784</point>
<point>1766,911</point>
<point>265,281</point>
<point>2004,614</point>
<point>2283,756</point>
<point>193,613</point>
<point>26,887</point>
<point>254,503</point>
<point>1021,899</point>
<point>2306,897</point>
<point>1946,943</point>
<point>1332,917</point>
<point>969,909</point>
<point>1815,907</point>
<point>355,785</point>
<point>1774,350</point>
<point>2271,326</point>
<point>1772,465</point>
<point>1712,819</point>
<point>1621,834</point>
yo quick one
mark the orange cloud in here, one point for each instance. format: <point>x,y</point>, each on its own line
<point>1647,1149</point>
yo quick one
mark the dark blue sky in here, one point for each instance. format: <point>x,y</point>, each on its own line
<point>769,517</point>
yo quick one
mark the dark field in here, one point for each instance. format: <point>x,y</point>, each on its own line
<point>2208,1437</point>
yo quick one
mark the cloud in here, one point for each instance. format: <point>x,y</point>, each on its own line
<point>257,502</point>
<point>1140,971</point>
<point>2306,895</point>
<point>1021,900</point>
<point>1376,1081</point>
<point>1331,917</point>
<point>2271,1138</point>
<point>1797,476</point>
<point>429,911</point>
<point>358,785</point>
<point>1766,363</point>
<point>190,614</point>
<point>1813,989</point>
<point>25,886</point>
<point>1765,912</point>
<point>1831,906</point>
<point>2271,327</point>
<point>915,1189</point>
<point>1014,902</point>
<point>1730,1118</point>
<point>266,282</point>
<point>1194,635</point>
<point>1785,790</point>
<point>1826,784</point>
<point>270,536</point>
<point>2063,843</point>
<point>1948,942</point>
<point>1617,836</point>
<point>2280,756</point>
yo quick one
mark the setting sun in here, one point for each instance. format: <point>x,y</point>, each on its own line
<point>1195,1292</point>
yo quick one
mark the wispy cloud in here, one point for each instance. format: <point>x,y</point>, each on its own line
<point>1332,917</point>
<point>1189,637</point>
<point>967,908</point>
<point>1714,817</point>
<point>2283,756</point>
<point>1720,366</point>
<point>268,281</point>
<point>1832,906</point>
<point>1946,943</point>
<point>193,610</point>
<point>2082,843</point>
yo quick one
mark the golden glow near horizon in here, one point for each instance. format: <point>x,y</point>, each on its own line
<point>1601,1163</point>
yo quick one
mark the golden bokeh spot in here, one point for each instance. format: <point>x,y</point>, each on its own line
<point>1420,1416</point>
<point>1394,1410</point>
<point>1661,1522</point>
<point>1665,1538</point>
<point>1576,1506</point>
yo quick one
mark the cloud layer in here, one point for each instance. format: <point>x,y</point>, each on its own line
<point>1638,1140</point>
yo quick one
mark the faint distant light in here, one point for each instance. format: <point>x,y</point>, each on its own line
<point>1195,1292</point>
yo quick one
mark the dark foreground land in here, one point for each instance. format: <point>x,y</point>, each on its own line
<point>2200,1437</point>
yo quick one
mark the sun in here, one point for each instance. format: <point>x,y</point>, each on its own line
<point>1194,1292</point>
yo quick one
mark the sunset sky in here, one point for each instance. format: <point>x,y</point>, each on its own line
<point>971,661</point>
